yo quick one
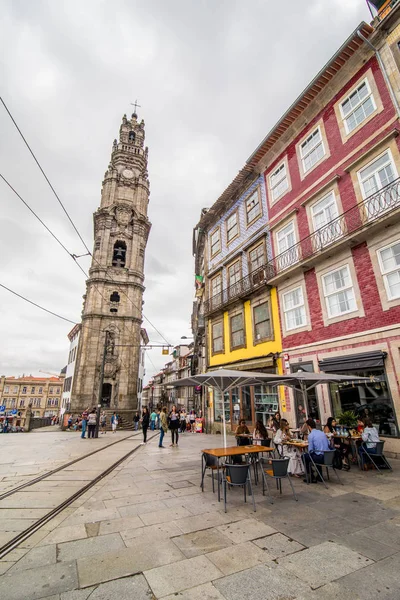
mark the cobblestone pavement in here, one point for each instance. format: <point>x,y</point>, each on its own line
<point>148,532</point>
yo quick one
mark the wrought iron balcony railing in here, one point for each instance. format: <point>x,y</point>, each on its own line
<point>358,217</point>
<point>240,289</point>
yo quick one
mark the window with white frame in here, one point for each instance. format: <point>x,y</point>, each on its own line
<point>217,337</point>
<point>6,389</point>
<point>288,252</point>
<point>21,403</point>
<point>324,212</point>
<point>389,261</point>
<point>215,239</point>
<point>237,331</point>
<point>40,390</point>
<point>339,292</point>
<point>278,182</point>
<point>234,273</point>
<point>262,321</point>
<point>24,390</point>
<point>253,207</point>
<point>377,174</point>
<point>312,150</point>
<point>232,227</point>
<point>15,390</point>
<point>294,309</point>
<point>358,106</point>
<point>256,257</point>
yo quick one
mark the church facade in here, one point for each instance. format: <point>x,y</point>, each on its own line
<point>109,345</point>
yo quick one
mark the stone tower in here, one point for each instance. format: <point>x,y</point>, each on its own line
<point>114,290</point>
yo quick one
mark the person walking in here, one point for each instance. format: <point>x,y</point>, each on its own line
<point>163,426</point>
<point>158,417</point>
<point>182,420</point>
<point>192,419</point>
<point>145,423</point>
<point>91,422</point>
<point>153,418</point>
<point>114,422</point>
<point>70,419</point>
<point>174,425</point>
<point>103,422</point>
<point>136,420</point>
<point>84,422</point>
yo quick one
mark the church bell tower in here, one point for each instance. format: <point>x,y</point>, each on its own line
<point>112,312</point>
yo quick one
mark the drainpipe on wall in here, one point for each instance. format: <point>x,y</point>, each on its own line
<point>384,73</point>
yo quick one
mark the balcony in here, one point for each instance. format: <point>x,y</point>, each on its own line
<point>352,225</point>
<point>385,8</point>
<point>241,289</point>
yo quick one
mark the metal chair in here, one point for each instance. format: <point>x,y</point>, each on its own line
<point>210,462</point>
<point>373,455</point>
<point>278,470</point>
<point>237,476</point>
<point>329,455</point>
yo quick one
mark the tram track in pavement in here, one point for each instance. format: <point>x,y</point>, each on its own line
<point>13,543</point>
<point>47,474</point>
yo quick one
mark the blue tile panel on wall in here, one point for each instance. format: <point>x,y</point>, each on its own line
<point>245,233</point>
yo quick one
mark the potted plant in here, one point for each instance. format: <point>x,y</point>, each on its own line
<point>347,419</point>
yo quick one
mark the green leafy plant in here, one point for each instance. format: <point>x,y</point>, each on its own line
<point>347,418</point>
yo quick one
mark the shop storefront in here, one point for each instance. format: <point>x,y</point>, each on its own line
<point>371,400</point>
<point>309,408</point>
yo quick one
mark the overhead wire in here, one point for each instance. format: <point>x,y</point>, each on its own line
<point>73,224</point>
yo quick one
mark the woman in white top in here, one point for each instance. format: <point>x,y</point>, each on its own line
<point>295,467</point>
<point>370,436</point>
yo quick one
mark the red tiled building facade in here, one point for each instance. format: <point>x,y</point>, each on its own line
<point>332,175</point>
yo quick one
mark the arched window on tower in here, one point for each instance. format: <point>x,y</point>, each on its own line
<point>119,254</point>
<point>132,136</point>
<point>114,301</point>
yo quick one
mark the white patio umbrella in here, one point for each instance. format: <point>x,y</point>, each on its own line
<point>225,380</point>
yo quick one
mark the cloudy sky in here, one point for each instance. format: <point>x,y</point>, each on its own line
<point>212,77</point>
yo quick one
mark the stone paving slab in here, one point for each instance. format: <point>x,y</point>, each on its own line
<point>119,525</point>
<point>64,534</point>
<point>201,542</point>
<point>324,563</point>
<point>186,573</point>
<point>238,558</point>
<point>129,561</point>
<point>264,582</point>
<point>91,546</point>
<point>202,592</point>
<point>38,557</point>
<point>39,582</point>
<point>246,530</point>
<point>278,546</point>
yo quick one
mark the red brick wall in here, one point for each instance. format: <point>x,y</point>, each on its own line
<point>374,315</point>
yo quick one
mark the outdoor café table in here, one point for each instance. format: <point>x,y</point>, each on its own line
<point>230,451</point>
<point>353,439</point>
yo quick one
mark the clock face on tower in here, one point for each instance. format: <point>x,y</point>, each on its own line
<point>127,173</point>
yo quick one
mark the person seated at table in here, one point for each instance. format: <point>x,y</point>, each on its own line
<point>259,433</point>
<point>336,442</point>
<point>369,436</point>
<point>276,419</point>
<point>283,435</point>
<point>360,425</point>
<point>242,429</point>
<point>317,445</point>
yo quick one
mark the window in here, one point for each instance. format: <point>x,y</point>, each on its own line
<point>286,239</point>
<point>389,261</point>
<point>234,273</point>
<point>36,402</point>
<point>253,207</point>
<point>278,182</point>
<point>216,285</point>
<point>6,389</point>
<point>50,390</point>
<point>119,254</point>
<point>312,150</point>
<point>294,309</point>
<point>40,390</point>
<point>57,390</point>
<point>373,178</point>
<point>24,390</point>
<point>232,227</point>
<point>32,390</point>
<point>13,402</point>
<point>357,106</point>
<point>215,240</point>
<point>339,292</point>
<point>237,331</point>
<point>21,403</point>
<point>323,213</point>
<point>262,322</point>
<point>15,389</point>
<point>114,301</point>
<point>132,136</point>
<point>256,258</point>
<point>217,337</point>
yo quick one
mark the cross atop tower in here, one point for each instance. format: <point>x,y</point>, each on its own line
<point>135,105</point>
